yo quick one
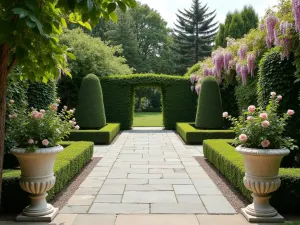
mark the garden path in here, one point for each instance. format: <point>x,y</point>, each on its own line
<point>152,176</point>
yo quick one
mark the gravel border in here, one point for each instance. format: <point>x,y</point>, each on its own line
<point>230,193</point>
<point>63,196</point>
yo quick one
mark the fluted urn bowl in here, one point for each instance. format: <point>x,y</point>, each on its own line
<point>37,177</point>
<point>261,178</point>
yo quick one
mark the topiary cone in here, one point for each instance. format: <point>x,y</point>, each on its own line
<point>90,112</point>
<point>209,110</point>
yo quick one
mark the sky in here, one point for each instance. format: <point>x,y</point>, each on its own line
<point>168,8</point>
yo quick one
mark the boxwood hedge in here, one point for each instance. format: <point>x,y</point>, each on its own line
<point>230,163</point>
<point>68,163</point>
<point>178,101</point>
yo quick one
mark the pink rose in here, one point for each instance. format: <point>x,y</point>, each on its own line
<point>35,114</point>
<point>251,109</point>
<point>40,115</point>
<point>250,118</point>
<point>279,97</point>
<point>30,141</point>
<point>71,111</point>
<point>225,114</point>
<point>11,101</point>
<point>265,123</point>
<point>45,142</point>
<point>290,112</point>
<point>54,107</point>
<point>243,137</point>
<point>265,143</point>
<point>263,116</point>
<point>42,111</point>
<point>76,127</point>
<point>273,94</point>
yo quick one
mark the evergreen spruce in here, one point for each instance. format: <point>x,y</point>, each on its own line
<point>195,31</point>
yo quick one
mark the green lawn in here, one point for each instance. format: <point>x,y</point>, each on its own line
<point>147,119</point>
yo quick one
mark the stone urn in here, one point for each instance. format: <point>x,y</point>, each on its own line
<point>261,178</point>
<point>37,178</point>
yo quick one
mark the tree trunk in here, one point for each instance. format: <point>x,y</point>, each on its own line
<point>4,59</point>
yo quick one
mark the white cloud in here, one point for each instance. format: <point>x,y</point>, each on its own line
<point>168,8</point>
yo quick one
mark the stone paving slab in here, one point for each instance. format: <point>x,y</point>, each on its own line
<point>147,171</point>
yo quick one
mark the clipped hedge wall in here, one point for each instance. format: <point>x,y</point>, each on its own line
<point>178,101</point>
<point>192,135</point>
<point>230,163</point>
<point>103,136</point>
<point>67,165</point>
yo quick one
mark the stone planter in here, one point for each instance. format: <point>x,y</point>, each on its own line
<point>37,178</point>
<point>261,178</point>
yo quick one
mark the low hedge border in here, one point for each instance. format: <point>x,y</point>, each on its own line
<point>68,164</point>
<point>191,135</point>
<point>230,163</point>
<point>103,136</point>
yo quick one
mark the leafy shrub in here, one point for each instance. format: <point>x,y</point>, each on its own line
<point>102,136</point>
<point>209,111</point>
<point>194,69</point>
<point>90,112</point>
<point>68,163</point>
<point>178,102</point>
<point>92,56</point>
<point>192,135</point>
<point>41,95</point>
<point>246,94</point>
<point>277,75</point>
<point>230,163</point>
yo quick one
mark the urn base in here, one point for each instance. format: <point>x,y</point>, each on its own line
<point>46,218</point>
<point>255,219</point>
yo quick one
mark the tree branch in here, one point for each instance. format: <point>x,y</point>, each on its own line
<point>12,64</point>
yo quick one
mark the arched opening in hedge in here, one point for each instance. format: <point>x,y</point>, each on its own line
<point>178,101</point>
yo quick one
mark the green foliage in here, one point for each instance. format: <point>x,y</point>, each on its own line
<point>209,110</point>
<point>104,135</point>
<point>192,135</point>
<point>236,25</point>
<point>195,32</point>
<point>178,102</point>
<point>277,75</point>
<point>230,164</point>
<point>92,56</point>
<point>90,112</point>
<point>195,68</point>
<point>68,163</point>
<point>33,130</point>
<point>41,95</point>
<point>246,94</point>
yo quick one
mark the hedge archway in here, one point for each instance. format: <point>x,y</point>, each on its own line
<point>178,101</point>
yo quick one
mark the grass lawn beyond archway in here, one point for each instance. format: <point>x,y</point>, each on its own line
<point>147,119</point>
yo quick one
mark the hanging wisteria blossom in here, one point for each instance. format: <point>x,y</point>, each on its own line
<point>286,48</point>
<point>244,73</point>
<point>251,63</point>
<point>261,26</point>
<point>271,22</point>
<point>296,9</point>
<point>193,78</point>
<point>242,51</point>
<point>238,68</point>
<point>206,71</point>
<point>218,61</point>
<point>268,42</point>
<point>276,38</point>
<point>227,58</point>
<point>284,27</point>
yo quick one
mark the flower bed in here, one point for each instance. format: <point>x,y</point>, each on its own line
<point>103,136</point>
<point>230,163</point>
<point>68,163</point>
<point>191,135</point>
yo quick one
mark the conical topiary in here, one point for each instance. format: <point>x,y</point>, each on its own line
<point>209,110</point>
<point>90,112</point>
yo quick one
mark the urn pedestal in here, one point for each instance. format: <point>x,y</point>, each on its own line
<point>261,178</point>
<point>37,178</point>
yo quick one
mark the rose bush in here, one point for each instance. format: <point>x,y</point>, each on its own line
<point>32,129</point>
<point>262,128</point>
